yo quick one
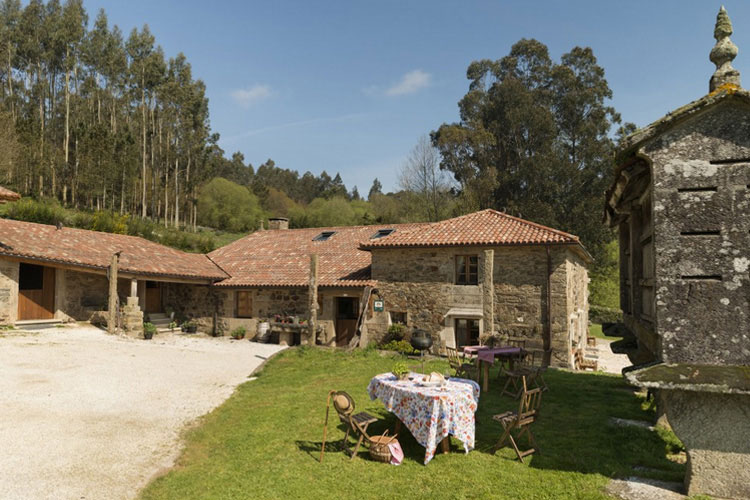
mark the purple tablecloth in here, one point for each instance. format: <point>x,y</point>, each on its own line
<point>488,354</point>
<point>430,413</point>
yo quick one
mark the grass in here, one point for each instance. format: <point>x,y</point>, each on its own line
<point>595,330</point>
<point>264,442</point>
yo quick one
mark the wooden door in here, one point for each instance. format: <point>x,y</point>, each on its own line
<point>36,292</point>
<point>347,313</point>
<point>153,297</point>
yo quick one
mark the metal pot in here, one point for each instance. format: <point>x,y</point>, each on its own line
<point>421,340</point>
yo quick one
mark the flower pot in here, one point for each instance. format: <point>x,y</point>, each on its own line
<point>148,335</point>
<point>191,328</point>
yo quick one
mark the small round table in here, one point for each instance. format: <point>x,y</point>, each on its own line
<point>431,413</point>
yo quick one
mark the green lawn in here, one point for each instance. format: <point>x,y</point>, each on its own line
<point>595,330</point>
<point>264,442</point>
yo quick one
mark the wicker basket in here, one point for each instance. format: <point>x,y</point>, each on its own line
<point>379,448</point>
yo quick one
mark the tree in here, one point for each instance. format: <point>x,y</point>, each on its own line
<point>229,206</point>
<point>533,139</point>
<point>421,174</point>
<point>377,188</point>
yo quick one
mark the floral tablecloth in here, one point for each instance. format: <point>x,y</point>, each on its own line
<point>430,413</point>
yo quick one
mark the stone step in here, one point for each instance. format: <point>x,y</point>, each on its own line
<point>158,316</point>
<point>37,324</point>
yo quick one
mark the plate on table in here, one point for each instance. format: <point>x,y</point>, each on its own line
<point>432,383</point>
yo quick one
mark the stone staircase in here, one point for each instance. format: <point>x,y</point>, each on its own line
<point>161,321</point>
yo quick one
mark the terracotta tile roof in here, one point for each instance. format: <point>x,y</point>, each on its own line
<point>282,257</point>
<point>79,247</point>
<point>8,195</point>
<point>486,227</point>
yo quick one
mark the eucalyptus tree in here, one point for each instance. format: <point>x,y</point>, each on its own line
<point>533,139</point>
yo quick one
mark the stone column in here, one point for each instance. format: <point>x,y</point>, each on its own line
<point>112,306</point>
<point>134,288</point>
<point>313,296</point>
<point>488,289</point>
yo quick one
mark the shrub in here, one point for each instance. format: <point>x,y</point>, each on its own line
<point>396,331</point>
<point>239,333</point>
<point>149,329</point>
<point>599,314</point>
<point>401,346</point>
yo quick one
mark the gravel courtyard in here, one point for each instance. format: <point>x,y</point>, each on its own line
<point>86,415</point>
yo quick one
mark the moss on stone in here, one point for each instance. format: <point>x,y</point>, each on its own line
<point>733,379</point>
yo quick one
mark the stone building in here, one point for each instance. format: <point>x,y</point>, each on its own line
<point>57,273</point>
<point>463,280</point>
<point>681,202</point>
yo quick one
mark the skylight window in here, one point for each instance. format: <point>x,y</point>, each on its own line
<point>381,233</point>
<point>324,236</point>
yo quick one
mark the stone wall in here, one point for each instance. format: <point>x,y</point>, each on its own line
<point>578,301</point>
<point>701,204</point>
<point>420,282</point>
<point>8,292</point>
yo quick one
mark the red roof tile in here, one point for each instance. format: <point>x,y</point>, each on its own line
<point>8,195</point>
<point>282,257</point>
<point>79,247</point>
<point>486,227</point>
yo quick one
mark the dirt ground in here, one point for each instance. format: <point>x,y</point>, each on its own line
<point>86,415</point>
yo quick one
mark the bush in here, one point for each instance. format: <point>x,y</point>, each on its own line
<point>599,314</point>
<point>401,346</point>
<point>239,333</point>
<point>396,331</point>
<point>149,329</point>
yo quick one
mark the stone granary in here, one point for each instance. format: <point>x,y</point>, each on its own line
<point>681,202</point>
<point>462,280</point>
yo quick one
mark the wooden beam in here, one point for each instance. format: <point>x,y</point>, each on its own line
<point>112,307</point>
<point>313,297</point>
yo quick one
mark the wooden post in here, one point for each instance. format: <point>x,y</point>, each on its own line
<point>313,295</point>
<point>488,288</point>
<point>112,307</point>
<point>548,299</point>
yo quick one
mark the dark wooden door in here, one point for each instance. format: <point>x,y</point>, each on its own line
<point>153,297</point>
<point>347,313</point>
<point>36,292</point>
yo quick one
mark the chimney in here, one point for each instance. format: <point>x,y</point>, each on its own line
<point>278,223</point>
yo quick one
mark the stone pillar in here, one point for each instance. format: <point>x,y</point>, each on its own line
<point>112,306</point>
<point>132,318</point>
<point>488,289</point>
<point>134,288</point>
<point>313,296</point>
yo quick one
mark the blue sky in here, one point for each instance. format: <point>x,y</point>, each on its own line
<point>350,86</point>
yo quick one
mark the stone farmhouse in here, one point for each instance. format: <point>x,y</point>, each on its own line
<point>462,280</point>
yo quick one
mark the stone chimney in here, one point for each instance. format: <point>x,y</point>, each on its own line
<point>278,223</point>
<point>723,54</point>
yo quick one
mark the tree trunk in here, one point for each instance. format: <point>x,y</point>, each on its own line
<point>143,139</point>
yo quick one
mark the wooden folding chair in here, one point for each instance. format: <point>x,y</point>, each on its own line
<point>527,414</point>
<point>355,423</point>
<point>459,364</point>
<point>529,369</point>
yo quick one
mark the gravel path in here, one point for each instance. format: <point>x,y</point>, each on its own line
<point>85,415</point>
<point>609,361</point>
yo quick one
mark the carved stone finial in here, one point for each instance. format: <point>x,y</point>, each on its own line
<point>723,54</point>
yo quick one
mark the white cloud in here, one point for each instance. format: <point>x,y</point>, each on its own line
<point>251,95</point>
<point>411,82</point>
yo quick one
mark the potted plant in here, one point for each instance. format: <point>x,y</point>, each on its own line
<point>239,333</point>
<point>400,370</point>
<point>149,329</point>
<point>190,326</point>
<point>396,331</point>
<point>172,326</point>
